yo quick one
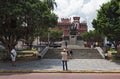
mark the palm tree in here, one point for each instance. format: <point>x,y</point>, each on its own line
<point>51,4</point>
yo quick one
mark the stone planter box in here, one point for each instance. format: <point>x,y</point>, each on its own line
<point>111,54</point>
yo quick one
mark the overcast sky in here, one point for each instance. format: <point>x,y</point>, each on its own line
<point>85,9</point>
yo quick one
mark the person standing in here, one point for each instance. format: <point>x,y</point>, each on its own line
<point>71,53</point>
<point>13,55</point>
<point>96,44</point>
<point>64,59</point>
<point>66,44</point>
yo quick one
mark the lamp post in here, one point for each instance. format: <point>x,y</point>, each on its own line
<point>24,24</point>
<point>48,37</point>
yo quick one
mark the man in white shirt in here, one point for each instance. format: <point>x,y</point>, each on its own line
<point>64,59</point>
<point>13,56</point>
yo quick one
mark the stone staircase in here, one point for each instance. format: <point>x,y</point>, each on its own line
<point>80,43</point>
<point>82,53</point>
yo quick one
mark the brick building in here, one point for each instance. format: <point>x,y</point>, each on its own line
<point>72,27</point>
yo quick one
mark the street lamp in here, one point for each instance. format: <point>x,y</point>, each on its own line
<point>24,24</point>
<point>49,36</point>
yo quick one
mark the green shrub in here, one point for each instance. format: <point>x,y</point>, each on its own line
<point>116,56</point>
<point>4,55</point>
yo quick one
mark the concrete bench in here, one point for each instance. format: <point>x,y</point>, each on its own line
<point>26,53</point>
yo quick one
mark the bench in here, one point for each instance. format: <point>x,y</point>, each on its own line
<point>25,53</point>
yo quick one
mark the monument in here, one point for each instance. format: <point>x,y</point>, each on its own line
<point>72,29</point>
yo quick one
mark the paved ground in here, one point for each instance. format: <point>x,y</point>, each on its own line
<point>59,76</point>
<point>73,64</point>
<point>56,65</point>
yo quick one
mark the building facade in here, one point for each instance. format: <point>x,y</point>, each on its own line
<point>71,27</point>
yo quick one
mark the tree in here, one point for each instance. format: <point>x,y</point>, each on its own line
<point>40,16</point>
<point>108,21</point>
<point>48,20</point>
<point>93,36</point>
<point>19,19</point>
<point>51,4</point>
<point>33,16</point>
<point>55,35</point>
<point>10,23</point>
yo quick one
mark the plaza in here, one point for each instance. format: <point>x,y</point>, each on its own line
<point>74,65</point>
<point>55,65</point>
<point>86,27</point>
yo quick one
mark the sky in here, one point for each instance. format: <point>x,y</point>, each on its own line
<point>85,9</point>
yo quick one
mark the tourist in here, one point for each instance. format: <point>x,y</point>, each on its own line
<point>96,44</point>
<point>106,55</point>
<point>66,44</point>
<point>64,59</point>
<point>71,53</point>
<point>13,55</point>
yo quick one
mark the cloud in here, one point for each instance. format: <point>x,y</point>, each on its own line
<point>90,8</point>
<point>86,9</point>
<point>67,8</point>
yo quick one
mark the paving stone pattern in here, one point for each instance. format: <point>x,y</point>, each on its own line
<point>55,64</point>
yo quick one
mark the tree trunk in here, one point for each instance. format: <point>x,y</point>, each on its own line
<point>8,42</point>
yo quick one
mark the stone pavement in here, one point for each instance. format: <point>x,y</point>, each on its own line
<point>56,65</point>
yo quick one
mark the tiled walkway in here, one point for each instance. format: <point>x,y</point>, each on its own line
<point>55,64</point>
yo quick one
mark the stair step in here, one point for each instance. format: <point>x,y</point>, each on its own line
<point>77,54</point>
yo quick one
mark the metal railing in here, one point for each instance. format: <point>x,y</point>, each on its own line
<point>41,54</point>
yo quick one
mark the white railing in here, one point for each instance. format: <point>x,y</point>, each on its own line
<point>41,54</point>
<point>101,52</point>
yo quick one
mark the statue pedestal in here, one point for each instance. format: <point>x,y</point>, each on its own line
<point>73,39</point>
